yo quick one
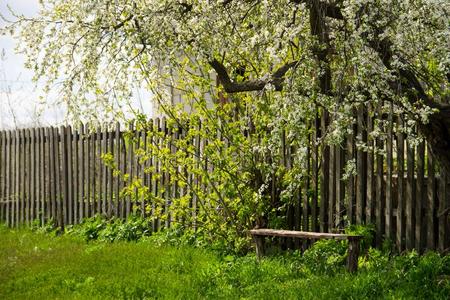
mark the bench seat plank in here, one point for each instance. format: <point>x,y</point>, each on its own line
<point>302,234</point>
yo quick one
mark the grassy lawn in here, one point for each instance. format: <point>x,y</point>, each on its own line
<point>40,266</point>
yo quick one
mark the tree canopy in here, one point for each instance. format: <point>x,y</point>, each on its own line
<point>300,54</point>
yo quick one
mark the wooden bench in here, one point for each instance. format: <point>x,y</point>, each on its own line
<point>353,242</point>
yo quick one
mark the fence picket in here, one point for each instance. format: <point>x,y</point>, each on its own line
<point>400,189</point>
<point>410,197</point>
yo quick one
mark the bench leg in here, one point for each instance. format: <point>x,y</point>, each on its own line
<point>259,241</point>
<point>353,254</point>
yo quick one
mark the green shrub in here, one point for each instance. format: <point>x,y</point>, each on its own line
<point>99,228</point>
<point>325,256</point>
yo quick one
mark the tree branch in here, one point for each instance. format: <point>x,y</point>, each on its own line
<point>277,78</point>
<point>330,9</point>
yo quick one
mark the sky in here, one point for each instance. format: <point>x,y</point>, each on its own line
<point>22,102</point>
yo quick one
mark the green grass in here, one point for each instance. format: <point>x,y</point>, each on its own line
<point>40,266</point>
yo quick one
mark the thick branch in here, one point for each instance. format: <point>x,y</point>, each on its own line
<point>330,9</point>
<point>277,79</point>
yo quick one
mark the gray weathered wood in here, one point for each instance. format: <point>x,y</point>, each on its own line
<point>332,189</point>
<point>109,173</point>
<point>389,171</point>
<point>305,191</point>
<point>43,175</point>
<point>82,174</point>
<point>300,234</point>
<point>76,176</point>
<point>442,213</point>
<point>431,200</point>
<point>361,166</point>
<point>9,178</point>
<point>22,180</point>
<point>379,195</point>
<point>59,192</point>
<point>26,146</point>
<point>324,176</point>
<point>353,254</point>
<point>3,195</point>
<point>33,158</point>
<point>100,172</point>
<point>400,188</point>
<point>350,187</point>
<point>117,178</point>
<point>410,197</point>
<point>64,175</point>
<point>130,156</point>
<point>371,181</point>
<point>420,197</point>
<point>315,175</point>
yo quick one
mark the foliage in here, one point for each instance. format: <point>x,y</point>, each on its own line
<point>110,230</point>
<point>366,231</point>
<point>37,265</point>
<point>296,56</point>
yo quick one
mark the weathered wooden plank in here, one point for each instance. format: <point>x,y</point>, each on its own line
<point>9,178</point>
<point>118,160</point>
<point>59,191</point>
<point>92,176</point>
<point>104,183</point>
<point>51,184</point>
<point>145,163</point>
<point>410,197</point>
<point>420,197</point>
<point>332,189</point>
<point>82,174</point>
<point>76,176</point>
<point>442,213</point>
<point>22,183</point>
<point>379,194</point>
<point>137,168</point>
<point>64,175</point>
<point>306,188</point>
<point>130,157</point>
<point>69,175</point>
<point>350,187</point>
<point>16,160</point>
<point>431,200</point>
<point>43,175</point>
<point>389,171</point>
<point>122,166</point>
<point>300,234</point>
<point>12,169</point>
<point>157,175</point>
<point>196,179</point>
<point>33,158</point>
<point>371,181</point>
<point>3,195</point>
<point>361,165</point>
<point>167,177</point>
<point>100,174</point>
<point>27,172</point>
<point>340,187</point>
<point>400,187</point>
<point>112,205</point>
<point>324,176</point>
<point>315,173</point>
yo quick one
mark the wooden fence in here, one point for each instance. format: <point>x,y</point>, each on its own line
<point>58,173</point>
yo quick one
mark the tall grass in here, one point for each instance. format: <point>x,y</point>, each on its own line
<point>37,265</point>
